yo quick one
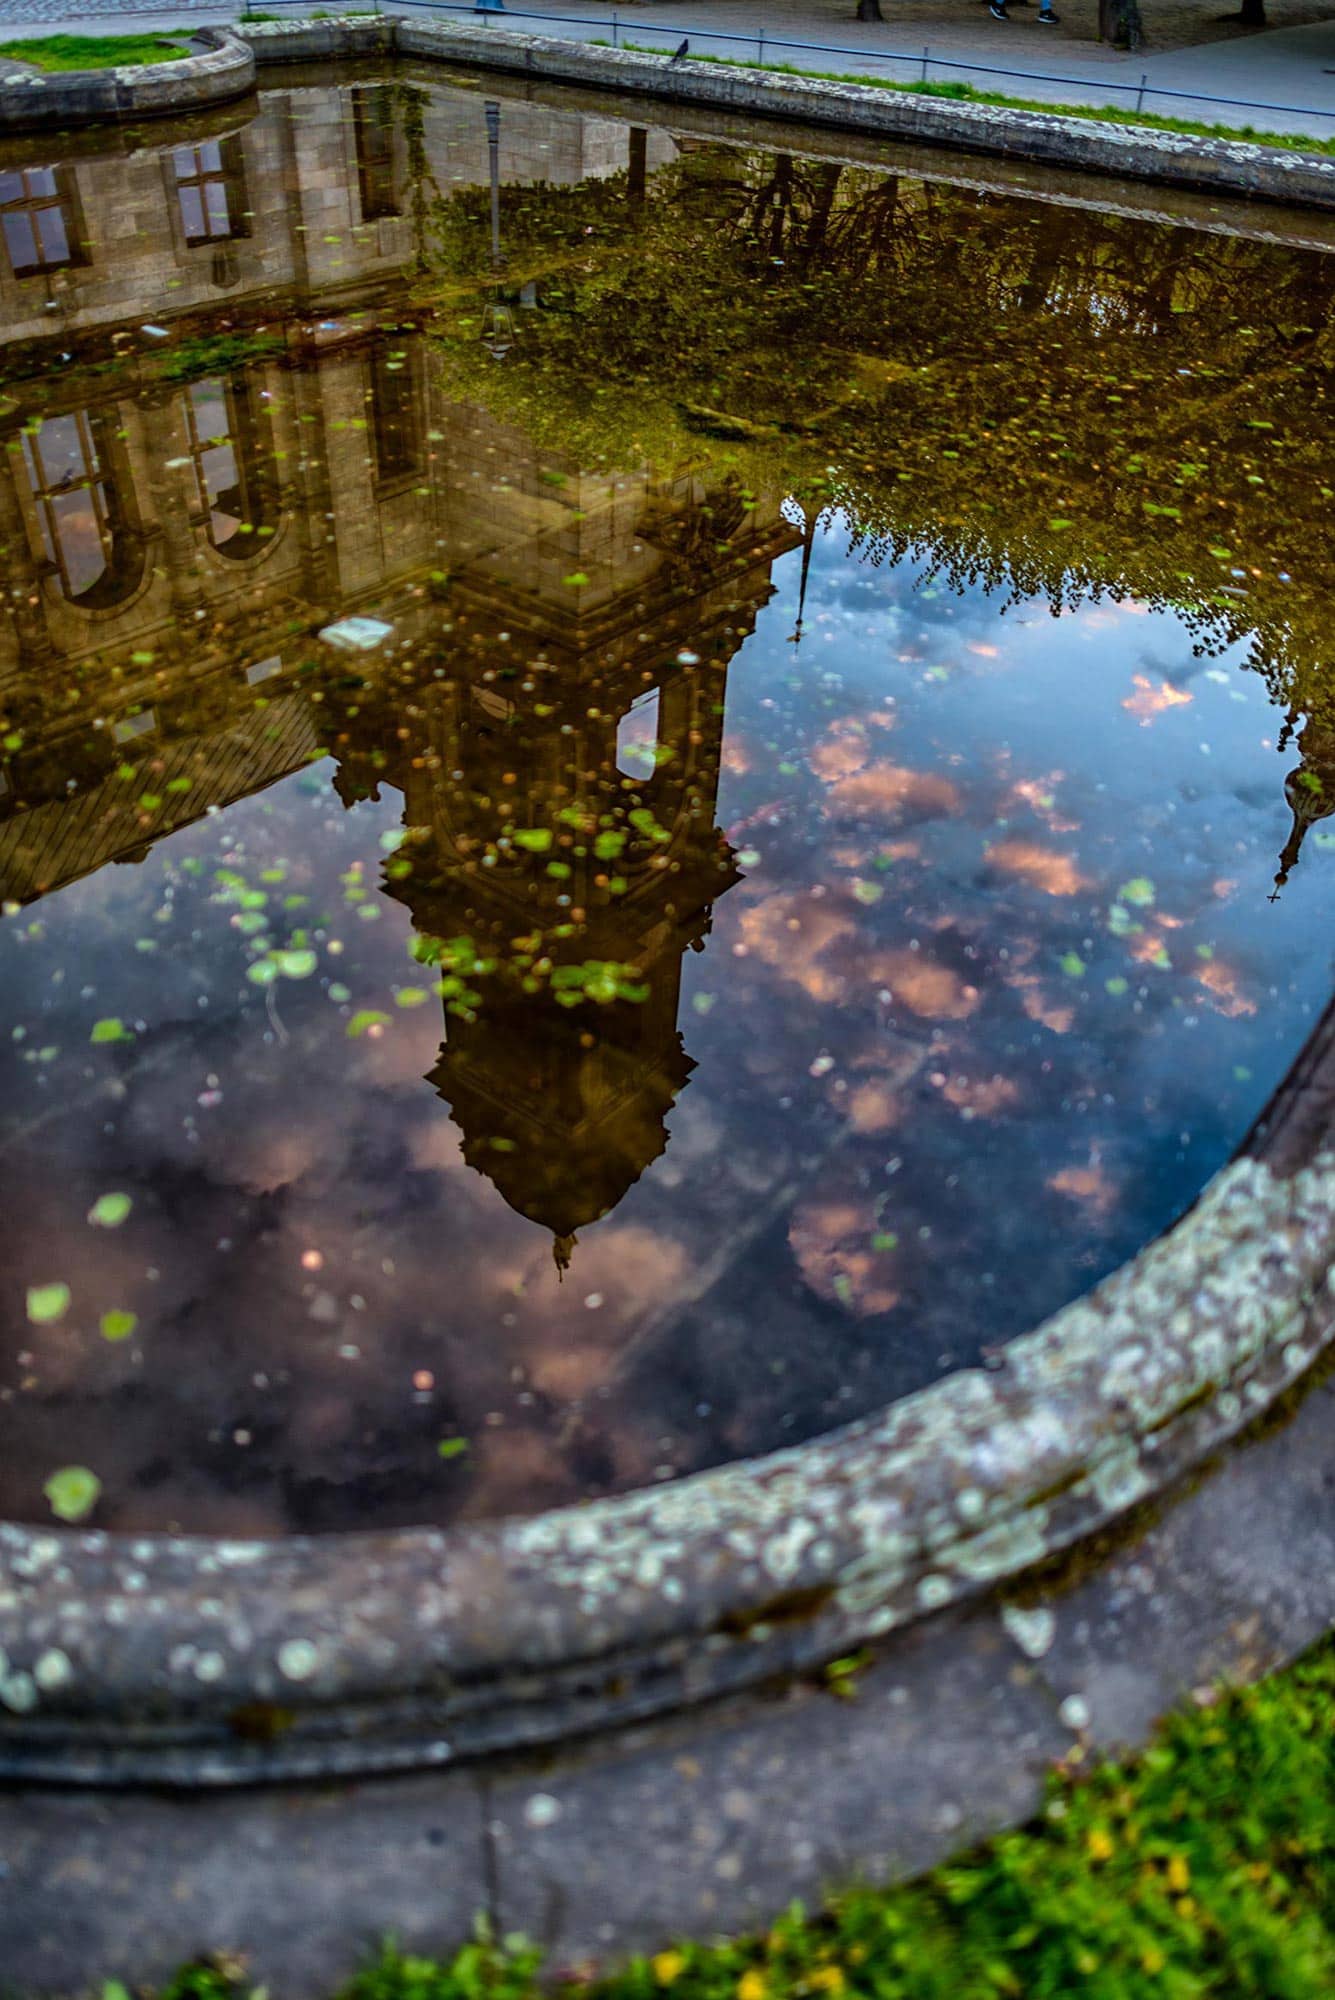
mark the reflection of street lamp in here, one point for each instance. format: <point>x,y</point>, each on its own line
<point>810,523</point>
<point>498,326</point>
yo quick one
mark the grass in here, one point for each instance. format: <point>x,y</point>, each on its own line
<point>67,52</point>
<point>1204,1870</point>
<point>965,93</point>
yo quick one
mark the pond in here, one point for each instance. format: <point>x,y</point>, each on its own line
<point>625,839</point>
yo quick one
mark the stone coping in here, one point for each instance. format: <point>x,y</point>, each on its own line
<point>223,68</point>
<point>1128,152</point>
<point>197,1661</point>
<point>226,68</point>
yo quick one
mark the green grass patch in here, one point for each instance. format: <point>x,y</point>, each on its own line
<point>965,93</point>
<point>1203,1870</point>
<point>66,52</point>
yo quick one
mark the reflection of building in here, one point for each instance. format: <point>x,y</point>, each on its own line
<point>561,638</point>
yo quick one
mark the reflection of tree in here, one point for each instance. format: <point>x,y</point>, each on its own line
<point>1058,401</point>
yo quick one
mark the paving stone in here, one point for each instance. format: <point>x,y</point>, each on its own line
<point>1231,1583</point>
<point>107,1885</point>
<point>714,1823</point>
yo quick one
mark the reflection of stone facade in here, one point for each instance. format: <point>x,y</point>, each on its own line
<point>312,194</point>
<point>560,638</point>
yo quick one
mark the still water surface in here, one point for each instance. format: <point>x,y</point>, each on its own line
<point>815,855</point>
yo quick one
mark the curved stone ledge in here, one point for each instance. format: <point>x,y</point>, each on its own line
<point>218,1662</point>
<point>1128,152</point>
<point>224,68</point>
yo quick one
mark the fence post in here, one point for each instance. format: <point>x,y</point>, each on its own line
<point>761,47</point>
<point>615,30</point>
<point>924,65</point>
<point>1140,94</point>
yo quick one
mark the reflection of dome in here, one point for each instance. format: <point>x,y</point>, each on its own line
<point>1310,794</point>
<point>563,1111</point>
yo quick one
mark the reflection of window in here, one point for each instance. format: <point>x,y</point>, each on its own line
<point>84,530</point>
<point>373,135</point>
<point>142,723</point>
<point>637,737</point>
<point>393,412</point>
<point>233,486</point>
<point>211,190</point>
<point>37,216</point>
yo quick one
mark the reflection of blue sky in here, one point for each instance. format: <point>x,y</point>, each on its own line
<point>874,1185</point>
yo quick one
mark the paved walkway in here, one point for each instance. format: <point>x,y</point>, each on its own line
<point>1281,81</point>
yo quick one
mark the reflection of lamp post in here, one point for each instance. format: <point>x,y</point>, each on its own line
<point>498,327</point>
<point>810,523</point>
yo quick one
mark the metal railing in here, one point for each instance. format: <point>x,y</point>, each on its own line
<point>920,61</point>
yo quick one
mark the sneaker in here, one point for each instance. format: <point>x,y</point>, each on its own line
<point>1046,18</point>
<point>997,9</point>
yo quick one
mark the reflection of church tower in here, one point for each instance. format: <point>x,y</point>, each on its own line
<point>571,833</point>
<point>1309,790</point>
<point>561,815</point>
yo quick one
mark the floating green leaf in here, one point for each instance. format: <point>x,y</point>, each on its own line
<point>110,1029</point>
<point>117,1324</point>
<point>454,1447</point>
<point>368,1018</point>
<point>47,1303</point>
<point>296,964</point>
<point>110,1210</point>
<point>73,1492</point>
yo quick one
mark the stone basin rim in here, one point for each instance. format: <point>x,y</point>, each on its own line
<point>129,1659</point>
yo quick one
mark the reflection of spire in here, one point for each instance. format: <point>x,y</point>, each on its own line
<point>562,1246</point>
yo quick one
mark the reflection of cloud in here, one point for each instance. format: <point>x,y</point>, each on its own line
<point>1149,700</point>
<point>981,1097</point>
<point>831,1241</point>
<point>927,989</point>
<point>791,933</point>
<point>843,750</point>
<point>873,1107</point>
<point>889,790</point>
<point>1051,1013</point>
<point>1221,982</point>
<point>1039,794</point>
<point>1090,1186</point>
<point>1055,874</point>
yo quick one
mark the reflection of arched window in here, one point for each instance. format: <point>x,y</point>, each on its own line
<point>39,219</point>
<point>373,135</point>
<point>86,533</point>
<point>211,190</point>
<point>233,465</point>
<point>637,737</point>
